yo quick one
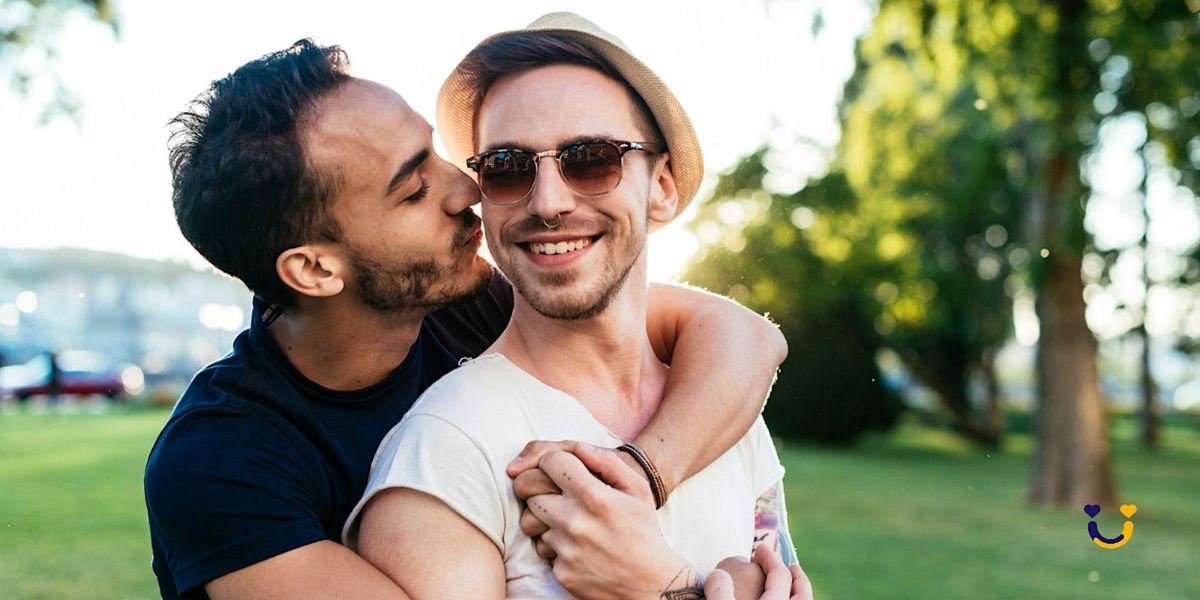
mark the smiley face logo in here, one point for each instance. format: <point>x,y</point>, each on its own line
<point>1126,530</point>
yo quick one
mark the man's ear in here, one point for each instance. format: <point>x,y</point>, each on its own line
<point>664,196</point>
<point>314,270</point>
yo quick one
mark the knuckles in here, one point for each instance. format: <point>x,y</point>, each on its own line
<point>534,482</point>
<point>543,549</point>
<point>555,459</point>
<point>596,504</point>
<point>534,450</point>
<point>531,525</point>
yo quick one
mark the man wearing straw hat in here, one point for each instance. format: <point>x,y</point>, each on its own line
<point>322,192</point>
<point>580,151</point>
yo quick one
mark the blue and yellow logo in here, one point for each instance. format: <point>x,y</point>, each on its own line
<point>1126,531</point>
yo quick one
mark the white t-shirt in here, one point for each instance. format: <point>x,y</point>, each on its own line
<point>457,439</point>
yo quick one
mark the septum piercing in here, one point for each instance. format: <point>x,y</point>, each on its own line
<point>557,222</point>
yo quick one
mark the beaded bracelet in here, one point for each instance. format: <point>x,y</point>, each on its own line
<point>657,488</point>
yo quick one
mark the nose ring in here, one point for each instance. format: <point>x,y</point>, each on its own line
<point>555,224</point>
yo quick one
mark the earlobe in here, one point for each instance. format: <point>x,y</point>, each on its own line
<point>311,270</point>
<point>664,196</point>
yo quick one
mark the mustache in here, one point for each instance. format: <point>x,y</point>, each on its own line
<point>467,223</point>
<point>532,225</point>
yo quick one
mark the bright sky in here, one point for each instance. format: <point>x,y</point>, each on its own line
<point>740,67</point>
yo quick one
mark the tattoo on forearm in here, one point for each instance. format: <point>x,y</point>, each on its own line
<point>684,586</point>
<point>770,524</point>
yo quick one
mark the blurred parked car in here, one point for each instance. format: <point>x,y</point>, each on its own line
<point>80,373</point>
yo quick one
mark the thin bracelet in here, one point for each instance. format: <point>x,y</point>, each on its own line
<point>657,488</point>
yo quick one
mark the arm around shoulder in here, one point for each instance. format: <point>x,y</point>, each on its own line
<point>679,311</point>
<point>323,569</point>
<point>723,362</point>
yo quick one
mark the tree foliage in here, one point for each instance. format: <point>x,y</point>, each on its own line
<point>786,255</point>
<point>960,182</point>
<point>28,38</point>
<point>927,121</point>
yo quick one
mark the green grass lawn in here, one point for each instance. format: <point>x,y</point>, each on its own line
<point>920,514</point>
<point>917,514</point>
<point>72,518</point>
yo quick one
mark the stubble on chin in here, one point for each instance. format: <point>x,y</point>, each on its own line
<point>422,284</point>
<point>557,294</point>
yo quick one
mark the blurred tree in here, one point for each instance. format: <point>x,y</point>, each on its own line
<point>962,181</point>
<point>968,113</point>
<point>922,146</point>
<point>802,258</point>
<point>1148,55</point>
<point>980,117</point>
<point>28,29</point>
<point>926,255</point>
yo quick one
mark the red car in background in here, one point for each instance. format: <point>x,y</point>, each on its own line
<point>80,373</point>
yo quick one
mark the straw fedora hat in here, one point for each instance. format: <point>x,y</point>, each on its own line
<point>458,101</point>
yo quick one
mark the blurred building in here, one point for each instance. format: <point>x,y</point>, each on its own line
<point>168,318</point>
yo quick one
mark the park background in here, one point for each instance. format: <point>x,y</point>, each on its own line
<point>976,222</point>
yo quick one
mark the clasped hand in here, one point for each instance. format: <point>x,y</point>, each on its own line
<point>591,513</point>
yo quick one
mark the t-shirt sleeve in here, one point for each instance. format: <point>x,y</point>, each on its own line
<point>225,491</point>
<point>468,328</point>
<point>431,455</point>
<point>767,469</point>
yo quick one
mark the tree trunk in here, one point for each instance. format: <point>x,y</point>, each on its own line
<point>994,415</point>
<point>1071,463</point>
<point>1149,434</point>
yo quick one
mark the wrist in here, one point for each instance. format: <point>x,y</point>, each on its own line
<point>657,488</point>
<point>660,455</point>
<point>663,574</point>
<point>679,580</point>
<point>632,463</point>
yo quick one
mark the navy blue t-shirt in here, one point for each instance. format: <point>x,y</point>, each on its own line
<point>257,460</point>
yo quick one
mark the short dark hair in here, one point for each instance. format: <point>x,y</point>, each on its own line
<point>510,55</point>
<point>243,189</point>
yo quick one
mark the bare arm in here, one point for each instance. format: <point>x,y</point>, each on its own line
<point>771,526</point>
<point>723,361</point>
<point>322,569</point>
<point>427,548</point>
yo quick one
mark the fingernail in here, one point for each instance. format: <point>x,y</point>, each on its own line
<point>587,446</point>
<point>517,462</point>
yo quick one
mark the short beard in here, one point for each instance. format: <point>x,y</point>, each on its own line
<point>548,306</point>
<point>410,285</point>
<point>576,311</point>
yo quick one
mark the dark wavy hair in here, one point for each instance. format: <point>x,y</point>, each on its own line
<point>243,190</point>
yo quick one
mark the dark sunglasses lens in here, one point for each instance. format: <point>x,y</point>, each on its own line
<point>592,168</point>
<point>506,176</point>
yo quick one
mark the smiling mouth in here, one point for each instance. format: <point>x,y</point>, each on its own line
<point>563,247</point>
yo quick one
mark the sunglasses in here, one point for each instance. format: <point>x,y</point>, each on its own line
<point>590,168</point>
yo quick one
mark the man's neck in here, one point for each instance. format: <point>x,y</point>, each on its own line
<point>344,346</point>
<point>605,362</point>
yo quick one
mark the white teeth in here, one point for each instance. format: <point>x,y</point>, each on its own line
<point>559,247</point>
